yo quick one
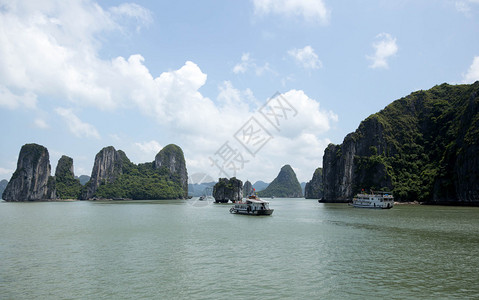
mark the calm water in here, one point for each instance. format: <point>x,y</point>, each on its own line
<point>176,250</point>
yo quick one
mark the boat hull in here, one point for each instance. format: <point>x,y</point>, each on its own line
<point>260,212</point>
<point>373,207</point>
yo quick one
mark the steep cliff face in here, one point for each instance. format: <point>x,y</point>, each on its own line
<point>314,188</point>
<point>345,170</point>
<point>107,168</point>
<point>171,157</point>
<point>67,186</point>
<point>285,185</point>
<point>228,190</point>
<point>422,147</point>
<point>31,181</point>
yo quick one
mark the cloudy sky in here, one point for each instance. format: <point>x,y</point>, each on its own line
<point>244,87</point>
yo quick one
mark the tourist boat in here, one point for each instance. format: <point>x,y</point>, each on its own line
<point>252,206</point>
<point>374,200</point>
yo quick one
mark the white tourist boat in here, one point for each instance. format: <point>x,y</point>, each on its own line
<point>374,200</point>
<point>252,206</point>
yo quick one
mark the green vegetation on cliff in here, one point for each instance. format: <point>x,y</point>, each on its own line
<point>285,185</point>
<point>425,146</point>
<point>142,181</point>
<point>67,186</point>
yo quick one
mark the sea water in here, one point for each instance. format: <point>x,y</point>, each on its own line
<point>198,250</point>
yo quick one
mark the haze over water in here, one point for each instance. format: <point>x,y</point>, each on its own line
<point>182,250</point>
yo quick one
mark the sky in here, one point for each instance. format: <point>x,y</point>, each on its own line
<point>243,87</point>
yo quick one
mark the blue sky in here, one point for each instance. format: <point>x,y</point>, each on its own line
<point>77,76</point>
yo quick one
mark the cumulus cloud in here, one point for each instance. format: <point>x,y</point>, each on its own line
<point>310,117</point>
<point>51,52</point>
<point>50,48</point>
<point>306,57</point>
<point>11,100</point>
<point>309,10</point>
<point>472,74</point>
<point>384,47</point>
<point>282,135</point>
<point>151,147</point>
<point>77,127</point>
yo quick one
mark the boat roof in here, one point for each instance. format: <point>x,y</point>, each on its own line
<point>383,195</point>
<point>257,200</point>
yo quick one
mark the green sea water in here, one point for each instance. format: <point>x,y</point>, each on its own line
<point>198,250</point>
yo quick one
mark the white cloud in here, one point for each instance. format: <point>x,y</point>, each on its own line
<point>385,46</point>
<point>4,173</point>
<point>306,57</point>
<point>76,126</point>
<point>127,11</point>
<point>296,141</point>
<point>40,123</point>
<point>310,10</point>
<point>51,52</point>
<point>152,147</point>
<point>472,74</point>
<point>50,48</point>
<point>242,66</point>
<point>310,118</point>
<point>464,6</point>
<point>12,101</point>
<point>248,63</point>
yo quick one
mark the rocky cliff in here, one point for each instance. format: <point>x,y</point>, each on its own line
<point>67,186</point>
<point>314,188</point>
<point>422,147</point>
<point>108,166</point>
<point>228,190</point>
<point>285,185</point>
<point>3,186</point>
<point>171,157</point>
<point>114,176</point>
<point>247,188</point>
<point>31,181</point>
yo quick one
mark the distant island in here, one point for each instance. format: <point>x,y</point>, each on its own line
<point>3,185</point>
<point>113,176</point>
<point>285,185</point>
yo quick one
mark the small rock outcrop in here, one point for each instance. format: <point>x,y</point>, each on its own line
<point>228,190</point>
<point>67,186</point>
<point>314,188</point>
<point>31,181</point>
<point>247,188</point>
<point>3,186</point>
<point>108,166</point>
<point>285,185</point>
<point>172,158</point>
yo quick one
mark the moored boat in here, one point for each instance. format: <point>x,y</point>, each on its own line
<point>252,206</point>
<point>374,200</point>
